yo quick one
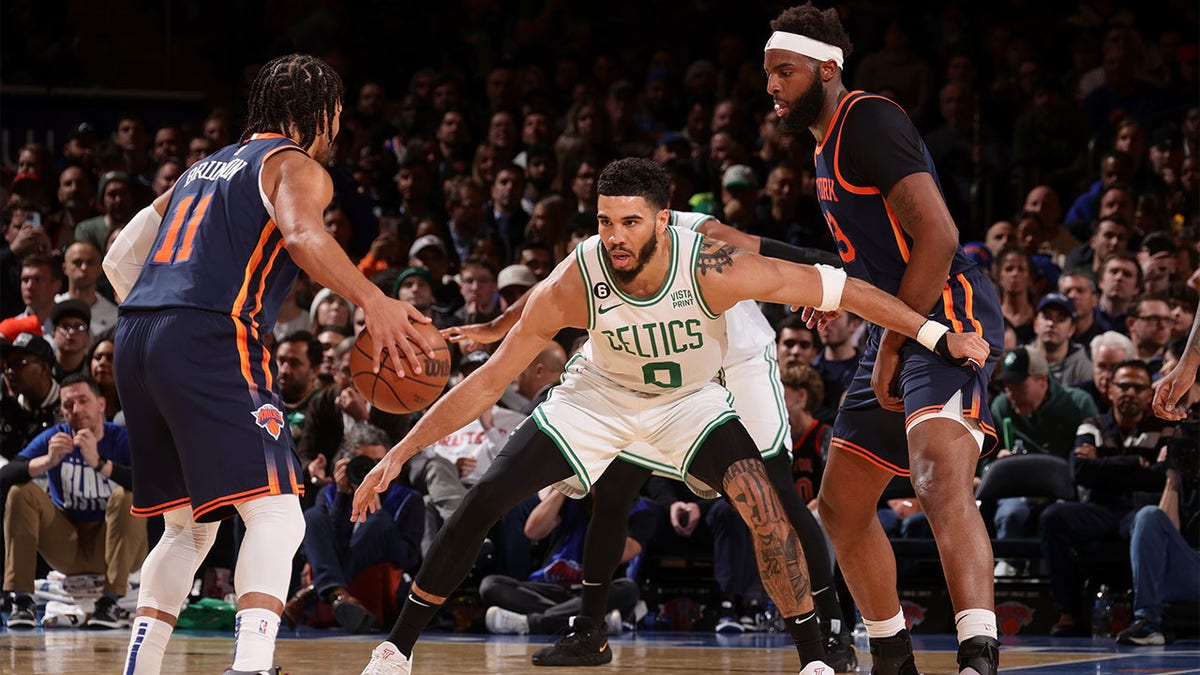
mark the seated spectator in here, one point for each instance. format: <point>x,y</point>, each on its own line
<point>1149,324</point>
<point>1183,300</point>
<point>545,603</point>
<point>82,267</point>
<point>338,549</point>
<point>803,391</point>
<point>30,396</point>
<point>297,358</point>
<point>540,256</point>
<point>1109,235</point>
<point>83,525</point>
<point>1014,275</point>
<point>445,470</point>
<point>1108,349</point>
<point>23,237</point>
<point>116,194</point>
<point>838,360</point>
<point>429,252</point>
<point>477,281</point>
<point>1115,458</point>
<point>1163,548</point>
<point>1039,413</point>
<point>1053,329</point>
<point>1080,287</point>
<point>513,282</point>
<point>72,320</point>
<point>41,279</point>
<point>1120,277</point>
<point>330,309</point>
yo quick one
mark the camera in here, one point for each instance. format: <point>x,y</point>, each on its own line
<point>357,469</point>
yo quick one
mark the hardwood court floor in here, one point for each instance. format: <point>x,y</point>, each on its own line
<point>80,651</point>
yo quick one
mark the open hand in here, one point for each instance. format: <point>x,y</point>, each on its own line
<point>392,323</point>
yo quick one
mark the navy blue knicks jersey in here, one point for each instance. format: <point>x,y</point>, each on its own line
<point>218,248</point>
<point>856,167</point>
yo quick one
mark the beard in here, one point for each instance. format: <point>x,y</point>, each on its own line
<point>804,111</point>
<point>641,258</point>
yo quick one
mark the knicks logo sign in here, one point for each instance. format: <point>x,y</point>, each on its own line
<point>1013,616</point>
<point>914,614</point>
<point>268,417</point>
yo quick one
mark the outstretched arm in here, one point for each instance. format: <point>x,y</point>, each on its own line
<point>765,246</point>
<point>728,275</point>
<point>489,331</point>
<point>554,305</point>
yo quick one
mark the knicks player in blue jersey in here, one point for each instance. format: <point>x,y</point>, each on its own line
<point>904,414</point>
<point>203,272</point>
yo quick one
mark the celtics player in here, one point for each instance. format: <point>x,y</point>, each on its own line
<point>751,373</point>
<point>651,297</point>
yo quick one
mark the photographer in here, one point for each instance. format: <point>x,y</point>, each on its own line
<point>338,549</point>
<point>1163,545</point>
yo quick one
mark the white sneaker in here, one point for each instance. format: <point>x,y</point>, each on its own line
<point>816,668</point>
<point>503,622</point>
<point>386,659</point>
<point>613,622</point>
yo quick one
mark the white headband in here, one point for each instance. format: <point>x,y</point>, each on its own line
<point>806,46</point>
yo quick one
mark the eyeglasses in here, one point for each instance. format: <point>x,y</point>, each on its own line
<point>1137,387</point>
<point>78,328</point>
<point>1156,319</point>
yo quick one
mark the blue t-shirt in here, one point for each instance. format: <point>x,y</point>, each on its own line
<point>75,487</point>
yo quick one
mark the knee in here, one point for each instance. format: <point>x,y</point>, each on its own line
<point>721,513</point>
<point>23,497</point>
<point>1148,518</point>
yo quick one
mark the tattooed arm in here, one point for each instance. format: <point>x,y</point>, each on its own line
<point>727,275</point>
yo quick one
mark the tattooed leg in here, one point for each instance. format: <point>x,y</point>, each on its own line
<point>776,545</point>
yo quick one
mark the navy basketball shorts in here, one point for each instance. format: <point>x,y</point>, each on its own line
<point>206,426</point>
<point>929,385</point>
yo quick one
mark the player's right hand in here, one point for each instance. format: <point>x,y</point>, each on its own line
<point>392,325</point>
<point>1169,389</point>
<point>969,346</point>
<point>376,481</point>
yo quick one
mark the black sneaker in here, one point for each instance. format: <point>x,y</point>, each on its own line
<point>108,615</point>
<point>585,645</point>
<point>24,613</point>
<point>979,655</point>
<point>277,670</point>
<point>839,651</point>
<point>893,655</point>
<point>1142,632</point>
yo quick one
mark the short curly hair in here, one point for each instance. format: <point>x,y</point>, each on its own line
<point>823,25</point>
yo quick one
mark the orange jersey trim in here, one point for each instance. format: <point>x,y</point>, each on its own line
<point>239,303</point>
<point>159,509</point>
<point>969,303</point>
<point>229,500</point>
<point>868,455</point>
<point>921,412</point>
<point>837,113</point>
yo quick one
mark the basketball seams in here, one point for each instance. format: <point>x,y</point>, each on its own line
<point>399,393</point>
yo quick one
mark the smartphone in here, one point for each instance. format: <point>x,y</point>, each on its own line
<point>34,219</point>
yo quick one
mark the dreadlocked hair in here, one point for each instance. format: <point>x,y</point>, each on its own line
<point>823,25</point>
<point>294,94</point>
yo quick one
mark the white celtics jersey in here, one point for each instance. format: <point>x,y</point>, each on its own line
<point>666,344</point>
<point>749,330</point>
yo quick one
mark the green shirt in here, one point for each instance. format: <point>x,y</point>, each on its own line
<point>1051,428</point>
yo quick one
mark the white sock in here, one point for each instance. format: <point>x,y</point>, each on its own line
<point>254,639</point>
<point>885,628</point>
<point>146,646</point>
<point>973,622</point>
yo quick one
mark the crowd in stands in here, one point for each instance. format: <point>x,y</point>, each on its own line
<point>1074,177</point>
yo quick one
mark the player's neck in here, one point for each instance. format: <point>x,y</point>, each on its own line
<point>832,100</point>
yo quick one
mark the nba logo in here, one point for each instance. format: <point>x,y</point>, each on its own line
<point>263,627</point>
<point>270,418</point>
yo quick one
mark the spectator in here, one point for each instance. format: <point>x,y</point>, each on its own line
<point>541,170</point>
<point>76,199</point>
<point>1013,271</point>
<point>739,192</point>
<point>803,392</point>
<point>477,280</point>
<point>505,216</point>
<point>1120,278</point>
<point>414,285</point>
<point>82,268</point>
<point>102,372</point>
<point>297,358</point>
<point>546,602</point>
<point>1149,323</point>
<point>465,205</point>
<point>796,344</point>
<point>1183,300</point>
<point>71,338</point>
<point>83,525</point>
<point>1054,328</point>
<point>133,141</point>
<point>838,360</point>
<point>512,283</point>
<point>41,280</point>
<point>30,395</point>
<point>198,148</point>
<point>1114,458</point>
<point>539,256</point>
<point>168,142</point>
<point>338,549</point>
<point>117,202</point>
<point>165,175</point>
<point>1108,349</point>
<point>429,252</point>
<point>1110,235</point>
<point>548,225</point>
<point>1057,241</point>
<point>535,382</point>
<point>330,309</point>
<point>1080,287</point>
<point>1166,564</point>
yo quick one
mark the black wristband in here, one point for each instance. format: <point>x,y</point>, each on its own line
<point>942,349</point>
<point>773,248</point>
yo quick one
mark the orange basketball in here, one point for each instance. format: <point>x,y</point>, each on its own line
<point>388,391</point>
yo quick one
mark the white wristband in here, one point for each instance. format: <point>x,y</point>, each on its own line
<point>929,334</point>
<point>833,282</point>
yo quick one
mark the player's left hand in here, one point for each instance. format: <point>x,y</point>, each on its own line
<point>85,440</point>
<point>376,481</point>
<point>816,319</point>
<point>885,379</point>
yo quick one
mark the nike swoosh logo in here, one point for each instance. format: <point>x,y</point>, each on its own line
<point>604,646</point>
<point>603,310</point>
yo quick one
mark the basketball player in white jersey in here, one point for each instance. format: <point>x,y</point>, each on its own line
<point>652,301</point>
<point>750,371</point>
